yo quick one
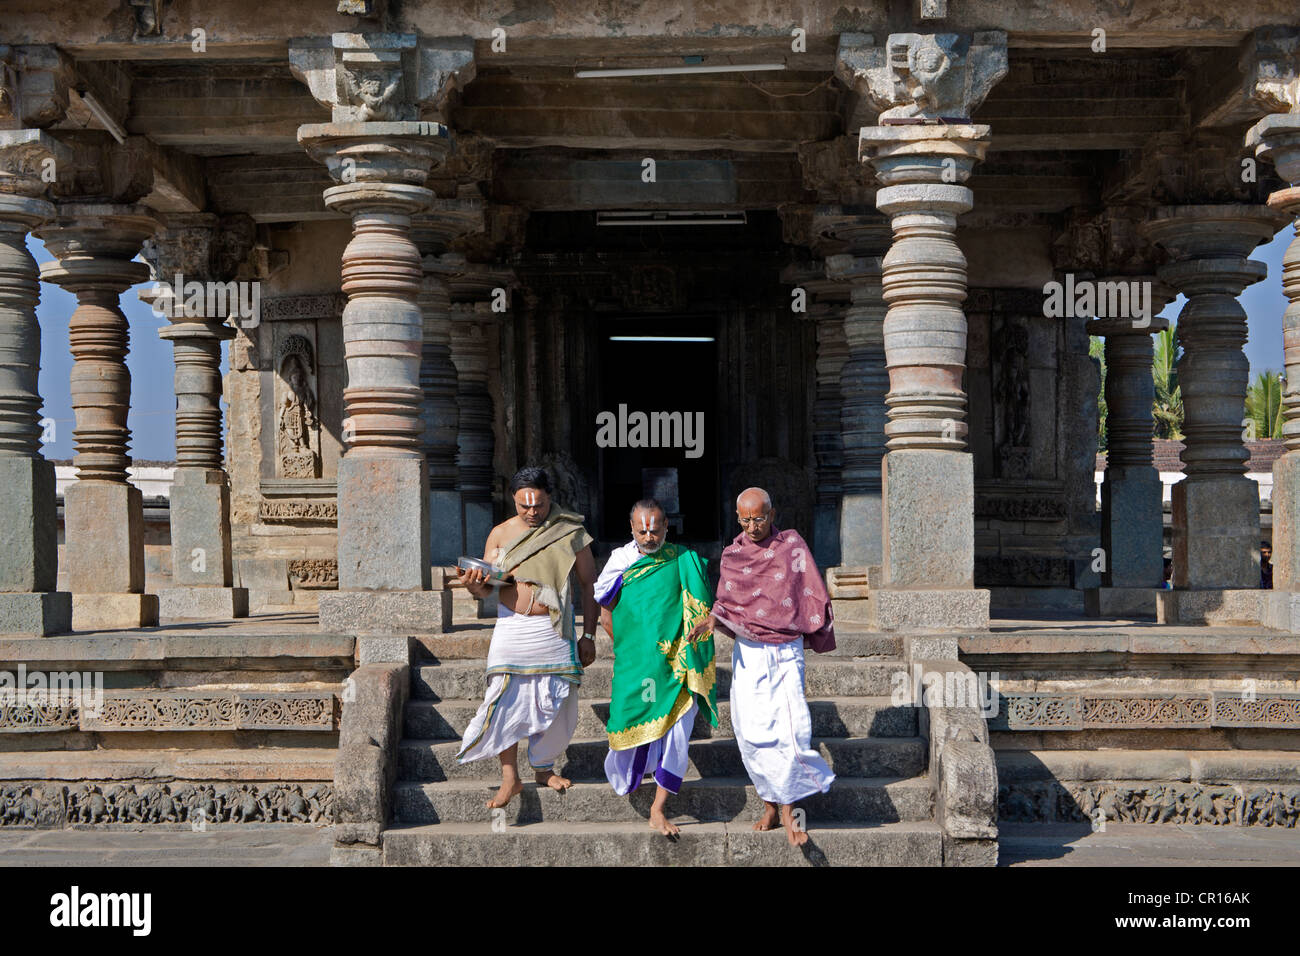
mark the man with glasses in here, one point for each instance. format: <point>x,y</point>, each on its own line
<point>772,602</point>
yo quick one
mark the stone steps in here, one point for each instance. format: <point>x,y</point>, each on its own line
<point>466,643</point>
<point>429,760</point>
<point>831,717</point>
<point>633,843</point>
<point>850,799</point>
<point>823,676</point>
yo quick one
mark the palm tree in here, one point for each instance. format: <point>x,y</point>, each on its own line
<point>1264,405</point>
<point>1168,406</point>
<point>1097,350</point>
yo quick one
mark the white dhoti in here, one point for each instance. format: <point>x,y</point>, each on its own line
<point>532,691</point>
<point>667,758</point>
<point>769,714</point>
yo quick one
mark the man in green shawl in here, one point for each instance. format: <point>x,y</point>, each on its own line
<point>654,594</point>
<point>535,660</point>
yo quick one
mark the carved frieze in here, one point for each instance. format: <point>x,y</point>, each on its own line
<point>298,510</point>
<point>1147,802</point>
<point>1026,507</point>
<point>288,307</point>
<point>47,806</point>
<point>314,573</point>
<point>213,711</point>
<point>1047,711</point>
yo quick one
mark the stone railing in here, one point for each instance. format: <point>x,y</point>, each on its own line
<point>963,772</point>
<point>365,772</point>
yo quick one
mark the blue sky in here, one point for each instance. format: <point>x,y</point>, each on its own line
<point>153,403</point>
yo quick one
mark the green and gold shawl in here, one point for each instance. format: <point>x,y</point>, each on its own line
<point>656,670</point>
<point>544,556</point>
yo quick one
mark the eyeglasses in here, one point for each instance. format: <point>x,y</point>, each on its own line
<point>760,520</point>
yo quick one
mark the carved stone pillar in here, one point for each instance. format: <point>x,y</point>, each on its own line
<point>863,385</point>
<point>474,317</point>
<point>1215,507</point>
<point>380,155</point>
<point>441,413</point>
<point>94,245</point>
<point>29,603</point>
<point>200,249</point>
<point>1132,495</point>
<point>922,152</point>
<point>1276,139</point>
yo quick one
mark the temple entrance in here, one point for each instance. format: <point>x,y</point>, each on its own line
<point>658,422</point>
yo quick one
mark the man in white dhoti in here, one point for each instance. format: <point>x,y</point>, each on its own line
<point>654,594</point>
<point>535,661</point>
<point>772,601</point>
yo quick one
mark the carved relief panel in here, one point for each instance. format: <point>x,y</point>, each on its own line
<point>297,415</point>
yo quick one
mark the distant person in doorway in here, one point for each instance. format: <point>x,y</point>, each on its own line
<point>1265,565</point>
<point>772,602</point>
<point>654,593</point>
<point>535,660</point>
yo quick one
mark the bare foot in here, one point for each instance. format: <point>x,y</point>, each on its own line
<point>549,778</point>
<point>661,823</point>
<point>505,794</point>
<point>768,820</point>
<point>793,832</point>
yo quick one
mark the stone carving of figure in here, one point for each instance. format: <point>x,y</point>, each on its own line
<point>297,420</point>
<point>373,91</point>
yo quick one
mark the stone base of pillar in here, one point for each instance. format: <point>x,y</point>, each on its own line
<point>383,524</point>
<point>1216,533</point>
<point>202,604</point>
<point>1286,521</point>
<point>1282,610</point>
<point>1125,603</point>
<point>478,525</point>
<point>446,532</point>
<point>104,530</point>
<point>28,533</point>
<point>200,524</point>
<point>861,527</point>
<point>1132,527</point>
<point>932,610</point>
<point>110,612</point>
<point>36,613</point>
<point>385,612</point>
<point>1214,606</point>
<point>929,520</point>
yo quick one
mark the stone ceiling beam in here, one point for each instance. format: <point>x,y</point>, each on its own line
<point>1230,95</point>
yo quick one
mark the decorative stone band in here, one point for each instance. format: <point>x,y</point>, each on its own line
<point>1174,711</point>
<point>1253,804</point>
<point>40,804</point>
<point>179,710</point>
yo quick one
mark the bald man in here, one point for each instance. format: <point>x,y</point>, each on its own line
<point>772,601</point>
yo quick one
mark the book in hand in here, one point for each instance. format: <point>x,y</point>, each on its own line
<point>495,576</point>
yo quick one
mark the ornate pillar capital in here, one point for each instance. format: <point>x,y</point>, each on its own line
<point>923,77</point>
<point>382,77</point>
<point>34,85</point>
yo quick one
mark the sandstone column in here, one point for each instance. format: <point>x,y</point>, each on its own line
<point>923,151</point>
<point>1276,139</point>
<point>1215,506</point>
<point>29,603</point>
<point>199,248</point>
<point>379,153</point>
<point>94,245</point>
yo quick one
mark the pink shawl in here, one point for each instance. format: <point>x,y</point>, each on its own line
<point>771,592</point>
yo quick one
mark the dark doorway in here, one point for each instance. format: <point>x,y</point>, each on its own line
<point>660,364</point>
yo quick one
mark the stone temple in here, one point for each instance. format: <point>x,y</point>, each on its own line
<point>435,245</point>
